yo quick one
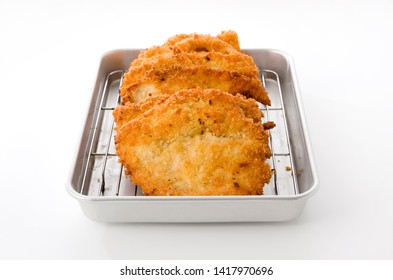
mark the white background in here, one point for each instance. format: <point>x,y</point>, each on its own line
<point>49,55</point>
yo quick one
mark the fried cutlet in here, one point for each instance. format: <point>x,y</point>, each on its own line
<point>196,142</point>
<point>173,79</point>
<point>124,113</point>
<point>193,61</point>
<point>238,62</point>
<point>226,42</point>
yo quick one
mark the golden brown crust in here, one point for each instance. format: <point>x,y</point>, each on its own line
<point>225,42</point>
<point>173,79</point>
<point>124,113</point>
<point>231,38</point>
<point>193,61</point>
<point>238,62</point>
<point>189,124</point>
<point>203,43</point>
<point>269,125</point>
<point>196,142</point>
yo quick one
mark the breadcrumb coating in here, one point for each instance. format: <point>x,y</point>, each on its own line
<point>193,61</point>
<point>189,121</point>
<point>196,142</point>
<point>173,79</point>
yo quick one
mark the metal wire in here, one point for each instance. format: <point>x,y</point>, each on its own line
<point>270,138</point>
<point>87,180</point>
<point>274,154</point>
<point>104,95</point>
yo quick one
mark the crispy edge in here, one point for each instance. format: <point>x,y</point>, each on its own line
<point>228,37</point>
<point>203,43</point>
<point>171,80</point>
<point>129,111</point>
<point>122,114</point>
<point>237,62</point>
<point>231,38</point>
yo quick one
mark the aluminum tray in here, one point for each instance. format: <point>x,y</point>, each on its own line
<point>97,180</point>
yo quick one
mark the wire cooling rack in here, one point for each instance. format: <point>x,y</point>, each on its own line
<point>102,175</point>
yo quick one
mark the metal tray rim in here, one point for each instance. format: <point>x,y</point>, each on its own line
<point>313,188</point>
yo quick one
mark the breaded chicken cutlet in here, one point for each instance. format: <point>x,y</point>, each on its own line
<point>193,61</point>
<point>173,79</point>
<point>189,123</point>
<point>212,60</point>
<point>225,42</point>
<point>125,113</point>
<point>194,142</point>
